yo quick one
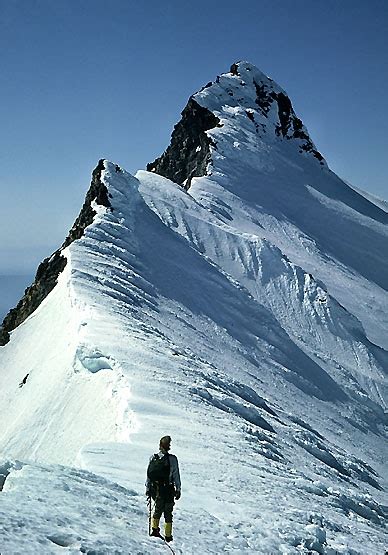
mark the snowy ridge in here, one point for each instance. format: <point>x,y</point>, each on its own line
<point>230,317</point>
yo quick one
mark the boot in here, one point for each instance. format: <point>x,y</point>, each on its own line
<point>155,527</point>
<point>168,531</point>
<point>155,532</point>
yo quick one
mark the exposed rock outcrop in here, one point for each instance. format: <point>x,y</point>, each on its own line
<point>48,271</point>
<point>290,126</point>
<point>98,193</point>
<point>188,154</point>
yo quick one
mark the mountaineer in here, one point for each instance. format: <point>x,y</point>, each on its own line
<point>163,485</point>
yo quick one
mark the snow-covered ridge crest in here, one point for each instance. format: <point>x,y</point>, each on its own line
<point>55,364</point>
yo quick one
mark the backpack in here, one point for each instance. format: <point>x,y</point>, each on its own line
<point>159,469</point>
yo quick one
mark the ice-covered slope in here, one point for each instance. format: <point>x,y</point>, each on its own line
<point>229,313</point>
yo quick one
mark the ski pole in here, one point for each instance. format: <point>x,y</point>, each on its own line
<point>149,515</point>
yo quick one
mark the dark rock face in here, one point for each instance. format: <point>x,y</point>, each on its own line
<point>284,113</point>
<point>263,99</point>
<point>97,193</point>
<point>189,151</point>
<point>289,122</point>
<point>290,126</point>
<point>48,271</point>
<point>45,280</point>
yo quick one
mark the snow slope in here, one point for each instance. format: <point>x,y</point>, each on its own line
<point>292,198</point>
<point>383,204</point>
<point>246,317</point>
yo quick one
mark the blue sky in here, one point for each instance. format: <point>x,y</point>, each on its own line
<point>89,79</point>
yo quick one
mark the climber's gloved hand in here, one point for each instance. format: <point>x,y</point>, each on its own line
<point>177,494</point>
